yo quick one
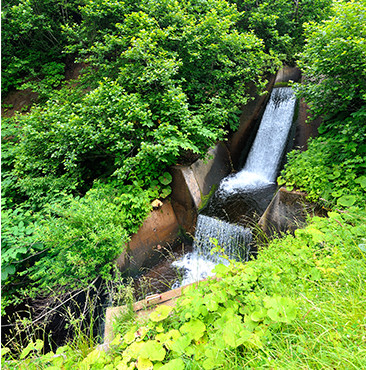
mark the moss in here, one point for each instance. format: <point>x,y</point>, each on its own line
<point>206,198</point>
<point>283,84</point>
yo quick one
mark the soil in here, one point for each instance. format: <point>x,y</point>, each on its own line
<point>22,100</point>
<point>18,101</point>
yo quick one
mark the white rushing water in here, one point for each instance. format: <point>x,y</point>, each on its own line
<point>233,239</point>
<point>259,171</point>
<point>266,152</point>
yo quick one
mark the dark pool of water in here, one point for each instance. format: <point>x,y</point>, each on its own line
<point>161,277</point>
<point>242,207</point>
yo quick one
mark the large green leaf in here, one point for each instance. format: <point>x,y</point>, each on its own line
<point>161,313</point>
<point>153,350</point>
<point>346,200</point>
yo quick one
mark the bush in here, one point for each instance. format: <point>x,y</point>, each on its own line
<point>333,168</point>
<point>334,61</point>
<point>32,41</point>
<point>280,23</point>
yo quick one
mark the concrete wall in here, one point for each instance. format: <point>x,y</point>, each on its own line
<point>306,127</point>
<point>192,183</point>
<point>287,211</point>
<point>239,142</point>
<point>287,74</point>
<point>165,225</point>
<point>160,229</point>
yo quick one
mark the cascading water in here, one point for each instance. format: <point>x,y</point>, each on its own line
<point>256,178</point>
<point>265,155</point>
<point>234,239</point>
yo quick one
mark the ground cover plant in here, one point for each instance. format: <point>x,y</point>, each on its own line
<point>301,304</point>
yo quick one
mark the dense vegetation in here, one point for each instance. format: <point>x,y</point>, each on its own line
<point>334,166</point>
<point>164,79</point>
<point>299,305</point>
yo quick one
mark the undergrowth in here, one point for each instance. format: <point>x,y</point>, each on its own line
<point>301,304</point>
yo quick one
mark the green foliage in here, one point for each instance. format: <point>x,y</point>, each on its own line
<point>334,61</point>
<point>32,41</point>
<point>19,246</point>
<point>243,316</point>
<point>165,78</point>
<point>279,23</point>
<point>84,235</point>
<point>17,239</point>
<point>192,49</point>
<point>334,165</point>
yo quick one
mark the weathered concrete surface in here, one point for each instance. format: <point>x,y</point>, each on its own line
<point>143,308</point>
<point>304,129</point>
<point>191,183</point>
<point>159,229</point>
<point>249,122</point>
<point>286,74</point>
<point>212,170</point>
<point>287,212</point>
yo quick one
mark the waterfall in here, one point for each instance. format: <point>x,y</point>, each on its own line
<point>233,239</point>
<point>266,152</point>
<point>258,173</point>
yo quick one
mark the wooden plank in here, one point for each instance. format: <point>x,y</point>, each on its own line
<point>144,308</point>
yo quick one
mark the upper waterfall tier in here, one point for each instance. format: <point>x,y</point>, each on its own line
<point>266,152</point>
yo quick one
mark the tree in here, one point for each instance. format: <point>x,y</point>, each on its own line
<point>32,41</point>
<point>334,61</point>
<point>279,23</point>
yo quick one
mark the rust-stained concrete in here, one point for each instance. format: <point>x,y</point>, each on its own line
<point>161,228</point>
<point>306,127</point>
<point>192,183</point>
